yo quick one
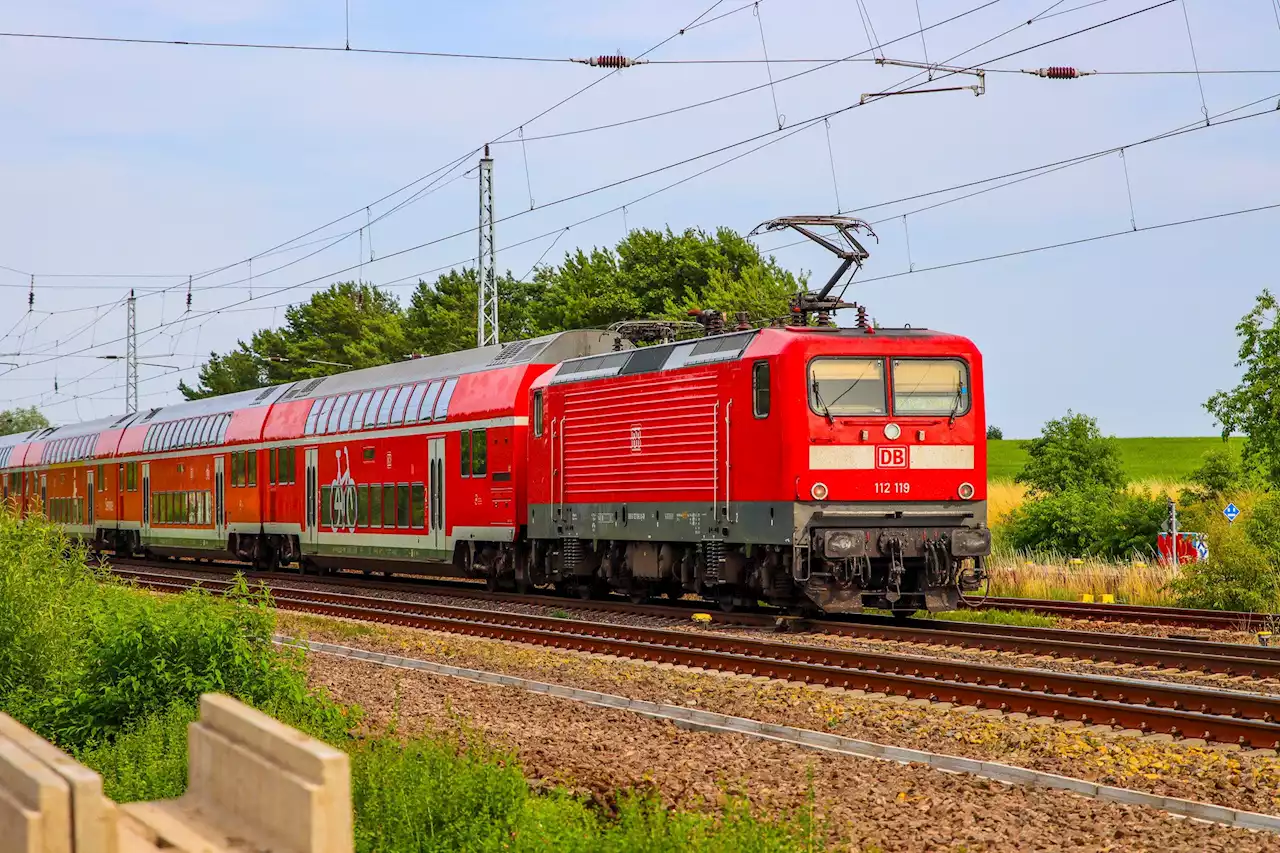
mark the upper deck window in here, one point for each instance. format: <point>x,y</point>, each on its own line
<point>930,386</point>
<point>847,387</point>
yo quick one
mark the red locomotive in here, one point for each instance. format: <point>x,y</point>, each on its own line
<point>802,465</point>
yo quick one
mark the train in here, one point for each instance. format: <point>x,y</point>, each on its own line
<point>804,465</point>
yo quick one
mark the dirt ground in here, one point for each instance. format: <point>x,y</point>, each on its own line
<point>1177,769</point>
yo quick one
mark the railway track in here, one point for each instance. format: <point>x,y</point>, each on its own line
<point>1189,655</point>
<point>1180,710</point>
<point>1226,620</point>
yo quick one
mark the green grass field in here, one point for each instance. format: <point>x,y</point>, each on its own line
<point>1166,459</point>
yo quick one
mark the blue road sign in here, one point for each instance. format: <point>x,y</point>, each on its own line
<point>1202,550</point>
<point>1231,511</point>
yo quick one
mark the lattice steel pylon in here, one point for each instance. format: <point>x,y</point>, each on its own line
<point>487,264</point>
<point>131,358</point>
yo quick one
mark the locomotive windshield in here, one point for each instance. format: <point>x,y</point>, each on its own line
<point>847,386</point>
<point>930,386</point>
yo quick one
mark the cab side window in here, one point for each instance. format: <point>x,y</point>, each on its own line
<point>760,389</point>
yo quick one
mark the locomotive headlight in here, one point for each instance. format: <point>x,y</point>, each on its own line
<point>819,491</point>
<point>966,491</point>
<point>892,431</point>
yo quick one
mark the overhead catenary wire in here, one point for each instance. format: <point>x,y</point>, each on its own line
<point>770,138</point>
<point>1077,242</point>
<point>777,138</point>
<point>288,246</point>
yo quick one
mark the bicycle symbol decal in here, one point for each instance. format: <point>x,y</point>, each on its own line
<point>343,495</point>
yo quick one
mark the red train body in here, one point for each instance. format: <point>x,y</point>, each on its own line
<point>807,466</point>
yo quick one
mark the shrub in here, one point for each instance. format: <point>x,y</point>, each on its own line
<point>1086,521</point>
<point>1071,453</point>
<point>83,658</point>
<point>1239,574</point>
<point>994,433</point>
<point>147,760</point>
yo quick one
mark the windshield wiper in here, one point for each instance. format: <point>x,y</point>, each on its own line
<point>956,406</point>
<point>817,397</point>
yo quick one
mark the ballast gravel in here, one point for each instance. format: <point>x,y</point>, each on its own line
<point>863,804</point>
<point>1180,769</point>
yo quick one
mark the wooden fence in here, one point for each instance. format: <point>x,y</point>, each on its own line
<point>254,785</point>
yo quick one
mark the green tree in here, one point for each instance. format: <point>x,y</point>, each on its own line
<point>1218,475</point>
<point>22,420</point>
<point>1253,406</point>
<point>655,274</point>
<point>345,326</point>
<point>649,274</point>
<point>442,316</point>
<point>1071,452</point>
<point>239,370</point>
<point>994,433</point>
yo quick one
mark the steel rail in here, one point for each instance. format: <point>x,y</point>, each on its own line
<point>1189,655</point>
<point>1230,620</point>
<point>1180,710</point>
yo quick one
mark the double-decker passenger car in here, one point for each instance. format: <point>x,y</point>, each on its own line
<point>806,465</point>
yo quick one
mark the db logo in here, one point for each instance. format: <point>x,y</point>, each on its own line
<point>891,457</point>
<point>635,439</point>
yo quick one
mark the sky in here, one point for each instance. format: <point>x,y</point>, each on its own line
<point>135,166</point>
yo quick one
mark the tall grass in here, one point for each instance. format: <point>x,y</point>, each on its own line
<point>1055,576</point>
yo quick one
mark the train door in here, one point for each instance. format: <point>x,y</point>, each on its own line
<point>313,496</point>
<point>435,491</point>
<point>89,496</point>
<point>146,497</point>
<point>219,499</point>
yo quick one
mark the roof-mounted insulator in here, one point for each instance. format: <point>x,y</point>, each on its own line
<point>1058,72</point>
<point>612,61</point>
<point>31,294</point>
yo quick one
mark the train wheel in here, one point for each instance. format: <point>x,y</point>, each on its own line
<point>903,615</point>
<point>726,602</point>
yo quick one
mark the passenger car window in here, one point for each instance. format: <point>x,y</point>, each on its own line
<point>464,466</point>
<point>402,505</point>
<point>348,412</point>
<point>479,452</point>
<point>357,421</point>
<point>375,505</point>
<point>402,402</point>
<point>384,411</point>
<point>429,400</point>
<point>371,414</point>
<point>312,416</point>
<point>930,386</point>
<point>760,389</point>
<point>388,505</point>
<point>415,401</point>
<point>331,422</point>
<point>442,402</point>
<point>847,386</point>
<point>322,416</point>
<point>362,505</point>
<point>419,505</point>
<point>537,413</point>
